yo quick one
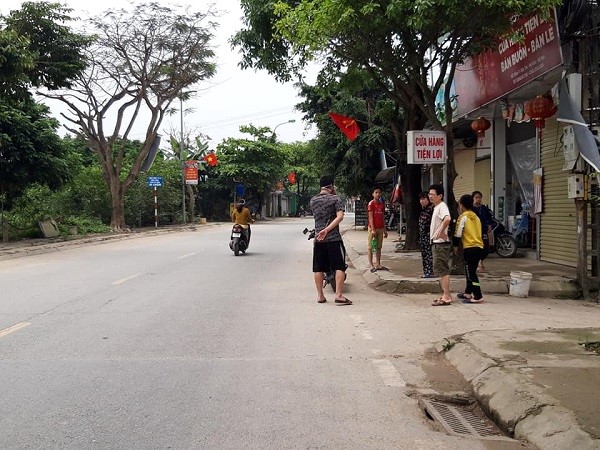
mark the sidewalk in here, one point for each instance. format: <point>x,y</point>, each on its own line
<point>404,276</point>
<point>539,385</point>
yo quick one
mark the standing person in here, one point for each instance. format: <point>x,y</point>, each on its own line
<point>485,216</point>
<point>468,232</point>
<point>424,239</point>
<point>441,247</point>
<point>241,215</point>
<point>328,250</point>
<point>377,230</point>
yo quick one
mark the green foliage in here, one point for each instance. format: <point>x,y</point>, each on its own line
<point>30,150</point>
<point>38,48</point>
<point>257,163</point>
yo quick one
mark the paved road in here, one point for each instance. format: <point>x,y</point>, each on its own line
<point>172,342</point>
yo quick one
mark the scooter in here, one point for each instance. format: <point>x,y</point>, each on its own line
<point>504,242</point>
<point>329,276</point>
<point>239,240</point>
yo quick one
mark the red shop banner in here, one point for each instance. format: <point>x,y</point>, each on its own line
<point>494,74</point>
<point>191,171</point>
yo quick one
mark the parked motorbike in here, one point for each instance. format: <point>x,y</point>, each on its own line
<point>329,276</point>
<point>239,240</point>
<point>504,242</point>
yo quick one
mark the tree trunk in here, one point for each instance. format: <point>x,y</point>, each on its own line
<point>410,177</point>
<point>191,203</point>
<point>117,220</point>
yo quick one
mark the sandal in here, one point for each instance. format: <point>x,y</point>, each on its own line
<point>464,296</point>
<point>342,302</point>
<point>441,302</point>
<point>321,301</point>
<point>472,300</point>
<point>383,268</point>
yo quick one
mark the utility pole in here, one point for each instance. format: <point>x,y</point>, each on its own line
<point>182,155</point>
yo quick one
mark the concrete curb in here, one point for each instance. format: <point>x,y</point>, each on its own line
<point>39,248</point>
<point>548,287</point>
<point>514,403</point>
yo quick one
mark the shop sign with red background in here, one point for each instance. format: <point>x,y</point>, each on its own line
<point>493,74</point>
<point>191,171</point>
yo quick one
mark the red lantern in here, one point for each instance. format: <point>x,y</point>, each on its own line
<point>479,125</point>
<point>292,178</point>
<point>539,109</point>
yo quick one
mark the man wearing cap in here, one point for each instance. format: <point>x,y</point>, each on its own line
<point>328,252</point>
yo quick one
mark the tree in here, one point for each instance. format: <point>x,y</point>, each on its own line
<point>257,162</point>
<point>410,48</point>
<point>140,63</point>
<point>37,50</point>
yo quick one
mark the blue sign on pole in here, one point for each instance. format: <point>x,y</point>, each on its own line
<point>155,181</point>
<point>240,189</point>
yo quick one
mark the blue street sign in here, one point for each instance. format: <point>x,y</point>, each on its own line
<point>155,181</point>
<point>240,189</point>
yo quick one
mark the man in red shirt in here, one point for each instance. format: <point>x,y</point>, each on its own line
<point>377,230</point>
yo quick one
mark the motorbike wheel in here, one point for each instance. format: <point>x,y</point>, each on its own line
<point>506,245</point>
<point>236,249</point>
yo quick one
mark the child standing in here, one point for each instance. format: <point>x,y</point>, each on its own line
<point>424,240</point>
<point>377,230</point>
<point>468,232</point>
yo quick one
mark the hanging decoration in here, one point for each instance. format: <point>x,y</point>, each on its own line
<point>539,109</point>
<point>292,177</point>
<point>479,125</point>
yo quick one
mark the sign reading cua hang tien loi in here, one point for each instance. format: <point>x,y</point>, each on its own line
<point>426,147</point>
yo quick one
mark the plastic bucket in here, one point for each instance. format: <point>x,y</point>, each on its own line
<point>519,284</point>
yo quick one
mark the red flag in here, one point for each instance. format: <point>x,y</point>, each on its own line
<point>211,159</point>
<point>347,125</point>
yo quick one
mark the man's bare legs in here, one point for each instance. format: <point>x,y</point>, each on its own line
<point>319,284</point>
<point>445,285</point>
<point>340,277</point>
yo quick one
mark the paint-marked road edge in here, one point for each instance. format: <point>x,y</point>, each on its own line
<point>12,329</point>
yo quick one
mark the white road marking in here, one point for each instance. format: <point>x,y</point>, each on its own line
<point>388,373</point>
<point>15,327</point>
<point>123,280</point>
<point>186,256</point>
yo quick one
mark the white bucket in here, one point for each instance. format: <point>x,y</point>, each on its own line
<point>519,284</point>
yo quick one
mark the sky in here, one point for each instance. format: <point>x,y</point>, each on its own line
<point>233,97</point>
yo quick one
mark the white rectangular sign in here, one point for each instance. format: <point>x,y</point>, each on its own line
<point>426,147</point>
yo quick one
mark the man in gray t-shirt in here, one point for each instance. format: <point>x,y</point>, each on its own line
<point>328,252</point>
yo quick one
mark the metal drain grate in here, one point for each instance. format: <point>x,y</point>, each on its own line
<point>461,420</point>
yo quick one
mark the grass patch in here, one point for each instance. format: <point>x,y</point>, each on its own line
<point>592,346</point>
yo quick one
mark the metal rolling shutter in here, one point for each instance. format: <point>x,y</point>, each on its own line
<point>558,232</point>
<point>464,162</point>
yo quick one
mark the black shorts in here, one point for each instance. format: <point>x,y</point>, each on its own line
<point>329,256</point>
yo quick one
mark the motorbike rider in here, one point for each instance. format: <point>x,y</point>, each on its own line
<point>241,215</point>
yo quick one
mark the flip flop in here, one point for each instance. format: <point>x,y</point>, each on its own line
<point>383,268</point>
<point>440,302</point>
<point>343,302</point>
<point>373,270</point>
<point>472,300</point>
<point>464,296</point>
<point>321,301</point>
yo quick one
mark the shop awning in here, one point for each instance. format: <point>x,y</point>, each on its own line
<point>568,112</point>
<point>386,175</point>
